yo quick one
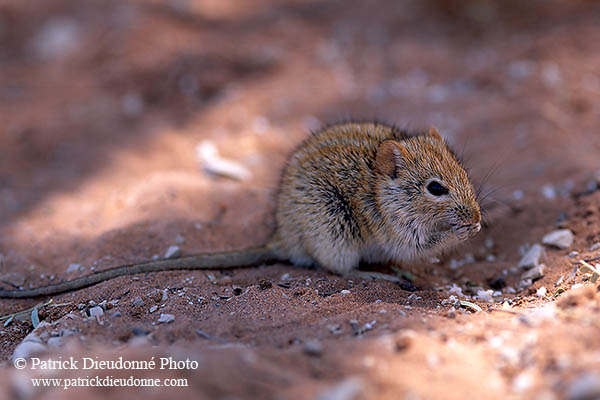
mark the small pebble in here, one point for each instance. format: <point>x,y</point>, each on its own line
<point>523,382</point>
<point>584,387</point>
<point>73,268</point>
<point>485,295</point>
<point>549,192</point>
<point>534,273</point>
<point>595,246</point>
<point>335,329</point>
<point>518,194</point>
<point>345,292</point>
<point>541,292</point>
<point>562,239</point>
<point>173,252</point>
<point>208,154</point>
<point>140,332</point>
<point>532,257</point>
<point>153,308</point>
<point>138,302</point>
<point>525,283</point>
<point>166,318</point>
<point>96,312</point>
<point>313,348</point>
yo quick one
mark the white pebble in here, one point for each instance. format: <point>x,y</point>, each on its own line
<point>562,238</point>
<point>518,194</point>
<point>549,192</point>
<point>485,295</point>
<point>57,38</point>
<point>96,312</point>
<point>584,387</point>
<point>541,292</point>
<point>73,268</point>
<point>153,308</point>
<point>166,318</point>
<point>534,273</point>
<point>522,382</point>
<point>208,154</point>
<point>531,259</point>
<point>172,252</point>
<point>138,302</point>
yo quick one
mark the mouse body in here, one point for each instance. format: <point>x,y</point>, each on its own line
<point>352,192</point>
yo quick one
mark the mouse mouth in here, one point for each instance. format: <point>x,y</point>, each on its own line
<point>465,231</point>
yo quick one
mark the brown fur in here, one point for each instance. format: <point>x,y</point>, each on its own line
<point>354,189</point>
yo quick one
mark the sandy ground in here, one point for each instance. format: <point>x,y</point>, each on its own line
<point>104,103</point>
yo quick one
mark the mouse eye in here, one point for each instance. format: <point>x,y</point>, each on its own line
<point>436,188</point>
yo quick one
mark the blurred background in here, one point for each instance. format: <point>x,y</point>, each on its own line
<point>128,127</point>
<point>109,109</point>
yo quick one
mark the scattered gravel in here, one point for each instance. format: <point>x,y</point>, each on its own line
<point>562,239</point>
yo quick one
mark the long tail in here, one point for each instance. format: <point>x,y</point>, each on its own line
<point>231,259</point>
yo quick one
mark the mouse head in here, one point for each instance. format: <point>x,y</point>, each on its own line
<point>424,195</point>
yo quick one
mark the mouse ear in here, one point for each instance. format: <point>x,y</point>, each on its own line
<point>390,155</point>
<point>435,134</point>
